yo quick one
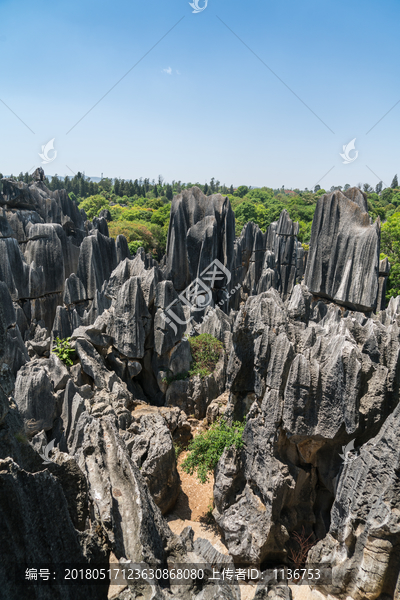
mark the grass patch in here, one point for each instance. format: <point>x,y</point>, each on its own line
<point>206,449</point>
<point>179,377</point>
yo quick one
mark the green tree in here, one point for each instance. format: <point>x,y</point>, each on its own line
<point>162,215</point>
<point>168,192</point>
<point>387,195</point>
<point>242,191</point>
<point>395,183</point>
<point>245,212</point>
<point>134,246</point>
<point>93,205</point>
<point>155,204</point>
<point>206,449</point>
<point>390,247</point>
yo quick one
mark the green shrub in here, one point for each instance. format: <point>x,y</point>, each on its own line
<point>206,351</point>
<point>178,449</point>
<point>93,205</point>
<point>179,377</point>
<point>206,449</point>
<point>64,351</point>
<point>151,236</point>
<point>134,246</point>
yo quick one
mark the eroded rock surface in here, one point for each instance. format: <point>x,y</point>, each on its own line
<point>343,261</point>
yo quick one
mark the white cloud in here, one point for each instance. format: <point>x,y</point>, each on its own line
<point>169,70</point>
<point>177,73</point>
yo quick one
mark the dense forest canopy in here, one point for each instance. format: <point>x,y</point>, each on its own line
<point>140,209</point>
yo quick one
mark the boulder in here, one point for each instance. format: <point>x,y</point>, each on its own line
<point>100,223</point>
<point>121,498</point>
<point>97,259</point>
<point>152,450</point>
<point>129,320</point>
<point>283,260</point>
<point>169,321</point>
<point>194,395</point>
<point>35,398</point>
<point>150,275</point>
<point>72,408</point>
<point>13,352</point>
<point>92,363</point>
<point>51,207</point>
<point>307,389</point>
<point>105,214</point>
<point>37,529</point>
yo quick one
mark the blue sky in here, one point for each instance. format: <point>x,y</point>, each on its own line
<point>201,104</point>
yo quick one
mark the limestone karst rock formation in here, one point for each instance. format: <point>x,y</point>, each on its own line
<point>343,263</point>
<point>307,361</point>
<point>201,229</point>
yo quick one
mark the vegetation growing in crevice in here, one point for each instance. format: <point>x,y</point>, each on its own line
<point>64,351</point>
<point>303,545</point>
<point>206,351</point>
<point>205,450</point>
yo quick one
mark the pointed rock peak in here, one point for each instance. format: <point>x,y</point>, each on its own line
<point>357,196</point>
<point>38,175</point>
<point>285,225</point>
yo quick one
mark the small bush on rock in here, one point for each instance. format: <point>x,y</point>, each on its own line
<point>206,449</point>
<point>206,351</point>
<point>64,351</point>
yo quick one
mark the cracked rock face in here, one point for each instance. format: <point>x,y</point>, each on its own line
<point>121,499</point>
<point>202,228</point>
<point>152,450</point>
<point>308,388</point>
<point>37,529</point>
<point>343,262</point>
<point>365,519</point>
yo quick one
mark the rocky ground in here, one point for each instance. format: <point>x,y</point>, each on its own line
<point>311,358</point>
